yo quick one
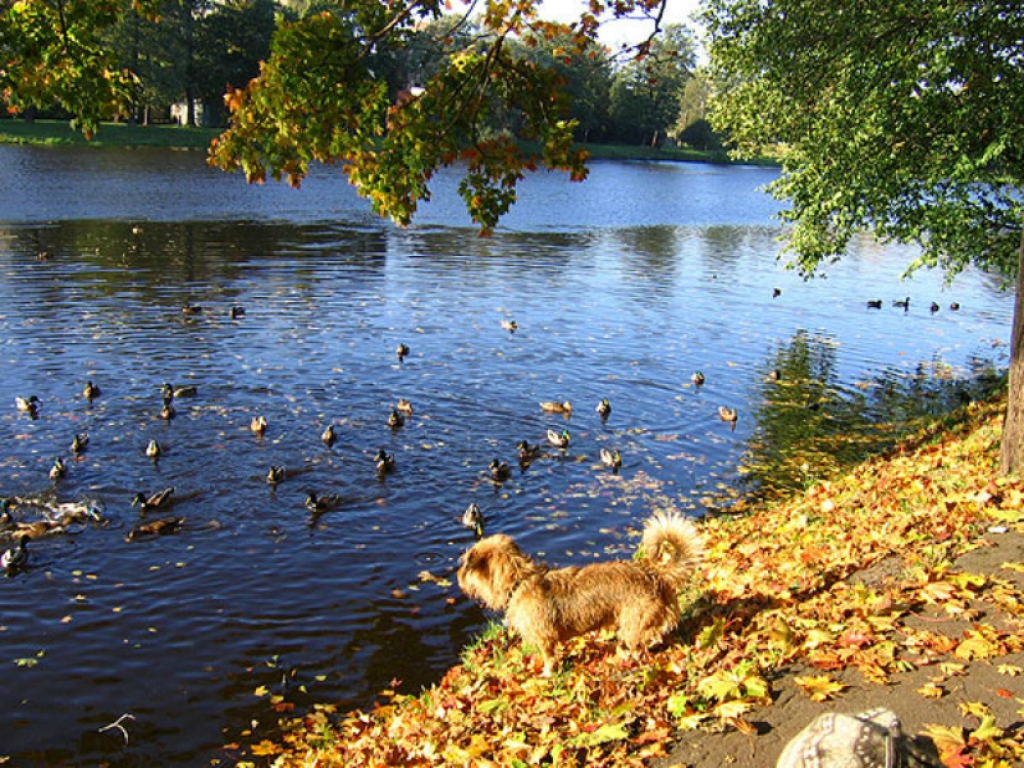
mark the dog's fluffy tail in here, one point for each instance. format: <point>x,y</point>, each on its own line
<point>672,545</point>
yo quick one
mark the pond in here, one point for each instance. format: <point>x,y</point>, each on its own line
<point>621,288</point>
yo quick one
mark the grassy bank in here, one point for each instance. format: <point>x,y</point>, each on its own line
<point>775,594</point>
<point>58,133</point>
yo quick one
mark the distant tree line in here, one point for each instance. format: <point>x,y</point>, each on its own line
<point>187,55</point>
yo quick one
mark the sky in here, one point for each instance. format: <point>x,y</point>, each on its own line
<point>621,31</point>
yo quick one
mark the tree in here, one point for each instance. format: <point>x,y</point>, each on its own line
<point>53,52</point>
<point>897,117</point>
<point>646,91</point>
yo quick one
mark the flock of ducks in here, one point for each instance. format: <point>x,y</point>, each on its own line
<point>53,518</point>
<point>904,304</point>
<point>56,519</point>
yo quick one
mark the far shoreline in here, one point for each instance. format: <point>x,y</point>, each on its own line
<point>58,133</point>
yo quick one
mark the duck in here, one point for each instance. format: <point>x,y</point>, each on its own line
<point>934,307</point>
<point>236,312</point>
<point>774,375</point>
<point>404,406</point>
<point>697,377</point>
<point>156,501</point>
<point>473,518</point>
<point>171,392</point>
<point>90,391</point>
<point>69,512</point>
<point>158,527</point>
<point>29,405</point>
<point>903,304</point>
<point>167,412</point>
<point>318,505</point>
<point>727,414</point>
<point>499,470</point>
<point>604,408</point>
<point>955,306</point>
<point>385,462</point>
<point>396,419</point>
<point>59,469</point>
<point>402,351</point>
<point>776,292</point>
<point>611,458</point>
<point>552,406</point>
<point>276,474</point>
<point>79,443</point>
<point>191,309</point>
<point>32,530</point>
<point>328,436</point>
<point>874,303</point>
<point>14,560</point>
<point>510,325</point>
<point>258,425</point>
<point>559,439</point>
<point>527,452</point>
<point>153,449</point>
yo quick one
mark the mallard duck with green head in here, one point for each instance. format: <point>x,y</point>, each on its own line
<point>698,379</point>
<point>153,449</point>
<point>559,439</point>
<point>157,500</point>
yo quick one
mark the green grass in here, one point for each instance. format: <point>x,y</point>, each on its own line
<point>58,133</point>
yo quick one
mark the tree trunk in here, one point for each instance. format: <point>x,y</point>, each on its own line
<point>1012,450</point>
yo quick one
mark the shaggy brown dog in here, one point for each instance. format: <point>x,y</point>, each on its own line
<point>638,599</point>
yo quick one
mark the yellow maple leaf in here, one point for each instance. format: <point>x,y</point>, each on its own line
<point>820,687</point>
<point>264,748</point>
<point>931,691</point>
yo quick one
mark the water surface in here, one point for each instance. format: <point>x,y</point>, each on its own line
<point>621,287</point>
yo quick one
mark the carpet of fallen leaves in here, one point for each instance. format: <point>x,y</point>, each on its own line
<point>773,591</point>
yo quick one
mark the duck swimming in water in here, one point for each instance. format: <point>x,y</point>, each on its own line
<point>156,501</point>
<point>559,439</point>
<point>499,471</point>
<point>91,391</point>
<point>15,560</point>
<point>79,443</point>
<point>385,462</point>
<point>276,474</point>
<point>611,458</point>
<point>258,425</point>
<point>328,435</point>
<point>473,518</point>
<point>29,405</point>
<point>604,408</point>
<point>153,449</point>
<point>59,469</point>
<point>158,527</point>
<point>553,406</point>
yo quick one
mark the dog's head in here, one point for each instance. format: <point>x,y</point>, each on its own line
<point>491,569</point>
